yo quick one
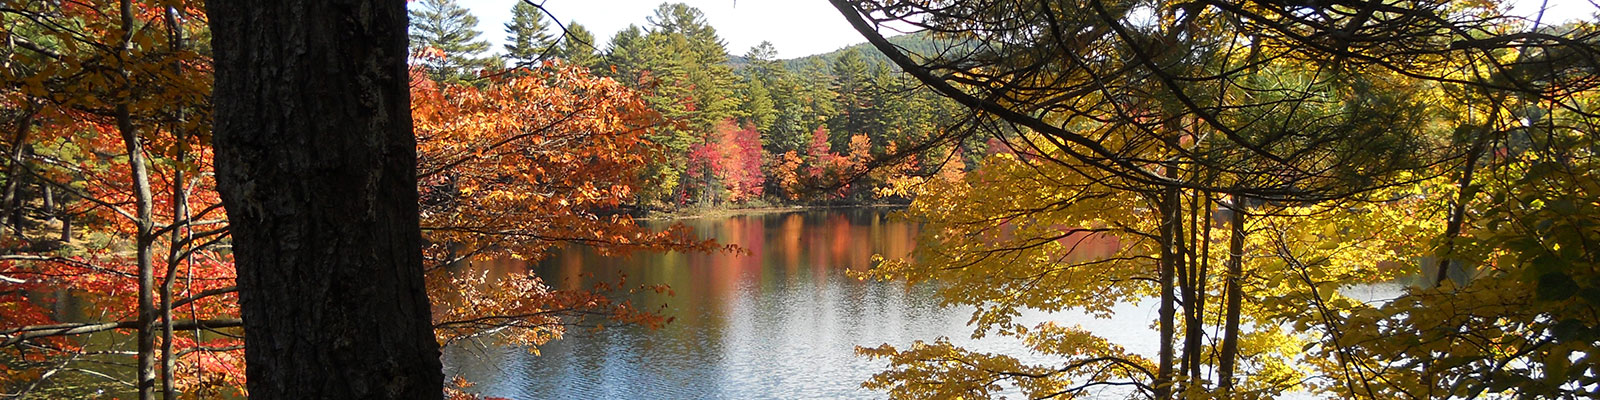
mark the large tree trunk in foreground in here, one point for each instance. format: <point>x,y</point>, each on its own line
<point>316,165</point>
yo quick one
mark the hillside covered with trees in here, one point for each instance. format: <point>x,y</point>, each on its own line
<point>747,128</point>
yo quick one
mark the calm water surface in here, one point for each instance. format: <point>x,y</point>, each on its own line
<point>781,322</point>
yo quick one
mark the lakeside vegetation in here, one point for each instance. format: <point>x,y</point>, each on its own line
<point>1241,162</point>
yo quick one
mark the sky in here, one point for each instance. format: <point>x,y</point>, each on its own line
<point>797,28</point>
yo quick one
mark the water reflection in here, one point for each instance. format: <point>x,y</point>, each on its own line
<point>782,321</point>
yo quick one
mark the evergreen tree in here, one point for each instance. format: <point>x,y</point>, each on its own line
<point>528,36</point>
<point>446,27</point>
<point>689,82</point>
<point>801,104</point>
<point>759,107</point>
<point>627,53</point>
<point>691,50</point>
<point>851,80</point>
<point>577,47</point>
<point>763,59</point>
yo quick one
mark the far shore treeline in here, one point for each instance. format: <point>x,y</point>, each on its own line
<point>735,130</point>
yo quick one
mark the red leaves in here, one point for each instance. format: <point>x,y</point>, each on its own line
<point>731,159</point>
<point>535,159</point>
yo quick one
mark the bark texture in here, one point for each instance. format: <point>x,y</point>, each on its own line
<point>316,165</point>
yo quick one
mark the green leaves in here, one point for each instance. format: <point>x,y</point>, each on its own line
<point>1555,286</point>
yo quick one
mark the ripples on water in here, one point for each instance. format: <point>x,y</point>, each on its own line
<point>781,322</point>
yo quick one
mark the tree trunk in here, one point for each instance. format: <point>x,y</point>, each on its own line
<point>1234,295</point>
<point>144,240</point>
<point>316,164</point>
<point>1458,209</point>
<point>180,216</point>
<point>66,226</point>
<point>1195,297</point>
<point>144,214</point>
<point>11,203</point>
<point>49,200</point>
<point>1171,232</point>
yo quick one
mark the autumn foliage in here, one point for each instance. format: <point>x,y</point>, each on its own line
<point>727,166</point>
<point>533,159</point>
<point>508,169</point>
<point>75,107</point>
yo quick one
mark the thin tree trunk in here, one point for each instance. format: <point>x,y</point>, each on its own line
<point>316,164</point>
<point>146,260</point>
<point>180,203</point>
<point>49,200</point>
<point>11,203</point>
<point>1193,332</point>
<point>145,220</point>
<point>1171,233</point>
<point>168,358</point>
<point>1458,209</point>
<point>1235,295</point>
<point>66,226</point>
<point>13,213</point>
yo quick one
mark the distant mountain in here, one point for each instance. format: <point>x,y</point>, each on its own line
<point>921,43</point>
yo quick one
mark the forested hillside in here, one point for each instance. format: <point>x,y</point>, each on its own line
<point>739,129</point>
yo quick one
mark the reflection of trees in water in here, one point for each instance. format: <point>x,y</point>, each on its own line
<point>782,320</point>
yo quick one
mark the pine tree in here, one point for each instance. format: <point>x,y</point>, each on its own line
<point>851,80</point>
<point>528,36</point>
<point>763,70</point>
<point>577,47</point>
<point>627,54</point>
<point>764,61</point>
<point>446,27</point>
<point>757,107</point>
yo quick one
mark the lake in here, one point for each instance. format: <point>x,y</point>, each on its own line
<point>780,322</point>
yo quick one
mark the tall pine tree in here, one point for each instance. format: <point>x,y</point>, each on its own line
<point>443,36</point>
<point>627,54</point>
<point>577,47</point>
<point>528,36</point>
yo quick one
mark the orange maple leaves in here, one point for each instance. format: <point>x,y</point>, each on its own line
<point>533,159</point>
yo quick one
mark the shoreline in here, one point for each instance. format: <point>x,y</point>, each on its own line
<point>732,212</point>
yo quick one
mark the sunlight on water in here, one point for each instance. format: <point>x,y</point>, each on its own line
<point>782,322</point>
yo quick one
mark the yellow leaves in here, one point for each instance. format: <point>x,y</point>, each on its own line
<point>941,369</point>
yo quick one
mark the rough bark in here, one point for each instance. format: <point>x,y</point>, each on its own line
<point>316,165</point>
